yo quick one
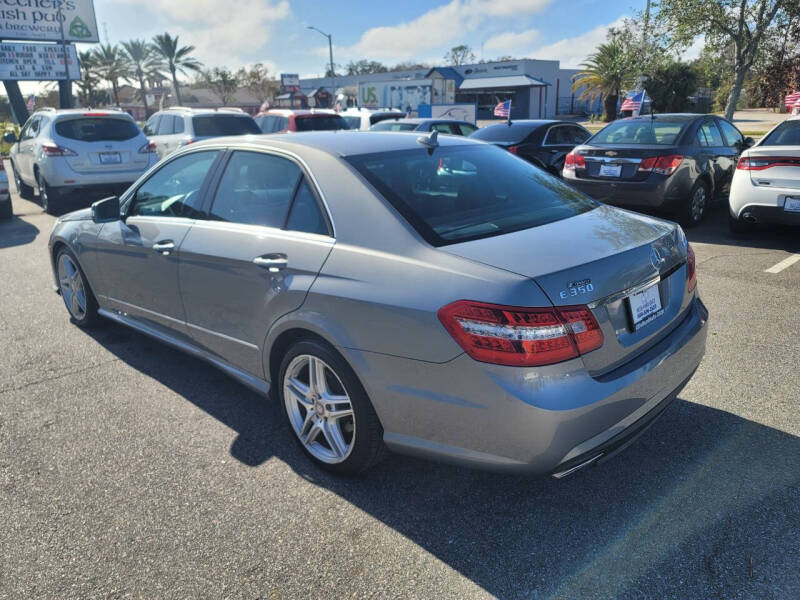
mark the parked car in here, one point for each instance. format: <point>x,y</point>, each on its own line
<point>544,143</point>
<point>285,120</point>
<point>6,210</point>
<point>438,297</point>
<point>448,126</point>
<point>60,152</point>
<point>766,184</point>
<point>178,126</point>
<point>672,162</point>
<point>364,118</point>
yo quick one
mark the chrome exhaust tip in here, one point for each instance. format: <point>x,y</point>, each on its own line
<point>749,217</point>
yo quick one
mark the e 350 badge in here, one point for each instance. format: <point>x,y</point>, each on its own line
<point>577,288</point>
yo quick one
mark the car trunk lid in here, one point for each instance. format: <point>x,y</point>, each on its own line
<point>100,142</point>
<point>619,162</point>
<point>775,166</point>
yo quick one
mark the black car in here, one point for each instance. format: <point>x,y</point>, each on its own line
<point>544,143</point>
<point>449,126</point>
<point>672,162</point>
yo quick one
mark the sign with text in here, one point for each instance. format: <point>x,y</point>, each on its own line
<point>48,20</point>
<point>290,82</point>
<point>37,62</point>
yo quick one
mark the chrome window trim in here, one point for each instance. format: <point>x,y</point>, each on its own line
<point>223,336</point>
<point>613,159</point>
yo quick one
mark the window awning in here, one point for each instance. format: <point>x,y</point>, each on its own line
<point>481,83</point>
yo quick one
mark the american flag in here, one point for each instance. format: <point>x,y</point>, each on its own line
<point>634,100</point>
<point>792,100</point>
<point>503,109</point>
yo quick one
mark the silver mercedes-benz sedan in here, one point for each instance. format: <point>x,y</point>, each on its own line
<point>438,297</point>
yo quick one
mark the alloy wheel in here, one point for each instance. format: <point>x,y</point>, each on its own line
<point>42,191</point>
<point>73,290</point>
<point>319,409</point>
<point>698,203</point>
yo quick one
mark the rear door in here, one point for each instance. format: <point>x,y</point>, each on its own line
<point>734,143</point>
<point>165,142</point>
<point>558,141</point>
<point>717,153</point>
<point>101,142</point>
<point>254,258</point>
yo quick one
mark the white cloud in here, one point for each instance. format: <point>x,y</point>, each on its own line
<point>574,51</point>
<point>694,50</point>
<point>511,42</point>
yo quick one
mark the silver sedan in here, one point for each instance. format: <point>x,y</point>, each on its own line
<point>438,297</point>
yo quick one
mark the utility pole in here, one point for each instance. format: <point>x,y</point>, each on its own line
<point>65,85</point>
<point>330,52</point>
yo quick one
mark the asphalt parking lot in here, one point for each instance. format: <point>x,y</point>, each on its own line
<point>129,470</point>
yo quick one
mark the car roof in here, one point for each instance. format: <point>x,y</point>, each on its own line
<point>338,143</point>
<point>223,110</point>
<point>79,112</point>
<point>677,117</point>
<point>285,112</point>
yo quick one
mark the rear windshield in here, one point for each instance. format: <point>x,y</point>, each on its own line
<point>378,117</point>
<point>97,129</point>
<point>326,123</point>
<point>393,126</point>
<point>644,132</point>
<point>785,134</point>
<point>215,125</point>
<point>462,193</point>
<point>502,133</point>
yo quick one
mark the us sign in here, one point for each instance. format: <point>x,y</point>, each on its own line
<point>44,20</point>
<point>37,62</point>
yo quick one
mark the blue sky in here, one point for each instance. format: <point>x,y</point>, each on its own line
<point>273,31</point>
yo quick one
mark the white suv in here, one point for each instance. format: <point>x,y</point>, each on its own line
<point>364,118</point>
<point>177,126</point>
<point>78,150</point>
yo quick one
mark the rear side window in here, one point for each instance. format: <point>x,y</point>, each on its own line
<point>219,124</point>
<point>306,215</point>
<point>256,189</point>
<point>710,134</point>
<point>785,134</point>
<point>565,135</point>
<point>449,128</point>
<point>467,129</point>
<point>167,125</point>
<point>641,132</point>
<point>462,193</point>
<point>179,126</point>
<point>97,129</point>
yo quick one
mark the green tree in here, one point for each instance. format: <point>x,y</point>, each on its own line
<point>112,65</point>
<point>90,79</point>
<point>256,79</point>
<point>143,64</point>
<point>365,67</point>
<point>222,82</point>
<point>409,65</point>
<point>459,55</point>
<point>175,58</point>
<point>670,86</point>
<point>741,24</point>
<point>605,74</point>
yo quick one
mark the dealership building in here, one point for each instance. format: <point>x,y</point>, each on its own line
<point>538,89</point>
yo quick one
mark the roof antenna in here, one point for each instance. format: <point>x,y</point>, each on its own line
<point>430,141</point>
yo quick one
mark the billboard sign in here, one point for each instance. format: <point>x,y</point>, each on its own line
<point>395,94</point>
<point>46,20</point>
<point>37,62</point>
<point>290,82</point>
<point>460,112</point>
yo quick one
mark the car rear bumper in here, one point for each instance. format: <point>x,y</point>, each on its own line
<point>653,192</point>
<point>544,420</point>
<point>764,204</point>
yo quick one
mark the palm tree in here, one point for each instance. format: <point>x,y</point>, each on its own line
<point>112,66</point>
<point>175,58</point>
<point>604,74</point>
<point>89,78</point>
<point>143,64</point>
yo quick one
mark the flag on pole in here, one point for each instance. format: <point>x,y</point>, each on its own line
<point>634,101</point>
<point>503,109</point>
<point>31,102</point>
<point>793,101</point>
<point>264,106</point>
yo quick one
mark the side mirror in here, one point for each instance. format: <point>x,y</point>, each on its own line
<point>9,137</point>
<point>748,143</point>
<point>106,210</point>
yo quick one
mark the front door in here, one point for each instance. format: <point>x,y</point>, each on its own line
<point>27,148</point>
<point>138,256</point>
<point>254,259</point>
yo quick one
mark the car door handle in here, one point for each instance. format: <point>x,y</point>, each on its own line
<point>271,262</point>
<point>164,246</point>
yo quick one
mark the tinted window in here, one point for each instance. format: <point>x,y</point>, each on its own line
<point>393,126</point>
<point>306,215</point>
<point>28,131</point>
<point>732,135</point>
<point>644,132</point>
<point>326,123</point>
<point>449,128</point>
<point>151,126</point>
<point>178,125</point>
<point>353,122</point>
<point>172,191</point>
<point>378,117</point>
<point>216,125</point>
<point>95,129</point>
<point>711,134</point>
<point>503,133</point>
<point>167,125</point>
<point>566,135</point>
<point>256,189</point>
<point>281,124</point>
<point>467,129</point>
<point>467,192</point>
<point>785,134</point>
<point>266,123</point>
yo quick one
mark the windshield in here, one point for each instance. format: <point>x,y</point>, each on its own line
<point>97,129</point>
<point>326,123</point>
<point>393,126</point>
<point>502,133</point>
<point>640,132</point>
<point>462,193</point>
<point>216,125</point>
<point>785,134</point>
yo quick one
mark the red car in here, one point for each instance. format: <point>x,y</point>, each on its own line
<point>283,120</point>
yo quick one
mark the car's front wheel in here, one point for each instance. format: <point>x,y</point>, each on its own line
<point>328,410</point>
<point>75,291</point>
<point>25,191</point>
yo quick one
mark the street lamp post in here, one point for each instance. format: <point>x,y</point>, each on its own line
<point>330,51</point>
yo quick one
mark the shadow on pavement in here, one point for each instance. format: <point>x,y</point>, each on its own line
<point>16,232</point>
<point>714,230</point>
<point>705,504</point>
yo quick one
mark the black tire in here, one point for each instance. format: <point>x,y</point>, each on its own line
<point>738,226</point>
<point>6,210</point>
<point>90,317</point>
<point>25,191</point>
<point>368,447</point>
<point>49,205</point>
<point>690,214</point>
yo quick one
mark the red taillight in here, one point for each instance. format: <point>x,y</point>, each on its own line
<point>513,149</point>
<point>663,165</point>
<point>51,149</point>
<point>759,163</point>
<point>148,148</point>
<point>691,271</point>
<point>574,161</point>
<point>95,114</point>
<point>521,337</point>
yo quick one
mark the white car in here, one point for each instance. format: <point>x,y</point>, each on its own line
<point>177,126</point>
<point>364,118</point>
<point>5,197</point>
<point>78,150</point>
<point>766,184</point>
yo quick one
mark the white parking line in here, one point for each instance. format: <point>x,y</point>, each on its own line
<point>785,263</point>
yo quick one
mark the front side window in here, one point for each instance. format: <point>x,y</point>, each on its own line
<point>31,130</point>
<point>732,135</point>
<point>97,129</point>
<point>151,127</point>
<point>785,134</point>
<point>167,125</point>
<point>173,190</point>
<point>256,189</point>
<point>448,128</point>
<point>393,126</point>
<point>467,129</point>
<point>640,132</point>
<point>461,193</point>
<point>711,134</point>
<point>179,126</point>
<point>353,122</point>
